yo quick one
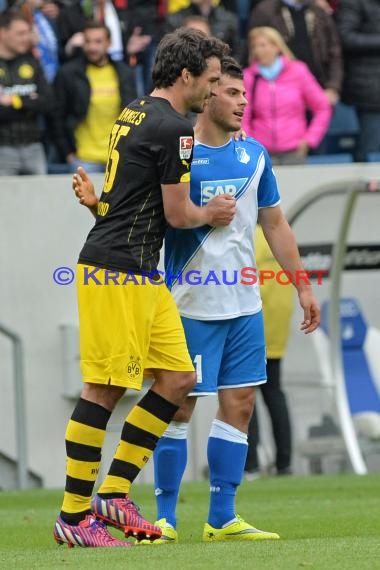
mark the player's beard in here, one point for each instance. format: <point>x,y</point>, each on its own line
<point>98,60</point>
<point>197,108</point>
<point>226,125</point>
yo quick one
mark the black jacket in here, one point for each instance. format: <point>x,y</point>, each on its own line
<point>224,25</point>
<point>23,78</point>
<point>359,27</point>
<point>73,91</point>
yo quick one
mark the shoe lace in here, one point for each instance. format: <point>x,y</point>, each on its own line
<point>128,503</point>
<point>98,527</point>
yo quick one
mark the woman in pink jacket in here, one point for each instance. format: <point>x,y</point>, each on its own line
<point>280,92</point>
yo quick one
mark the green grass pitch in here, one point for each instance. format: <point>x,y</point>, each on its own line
<point>325,522</point>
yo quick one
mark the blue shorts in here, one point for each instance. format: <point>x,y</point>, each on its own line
<point>226,354</point>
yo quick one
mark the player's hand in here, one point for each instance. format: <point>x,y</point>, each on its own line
<point>311,311</point>
<point>84,188</point>
<point>221,210</point>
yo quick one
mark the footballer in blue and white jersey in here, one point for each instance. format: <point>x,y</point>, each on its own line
<point>215,257</point>
<point>222,316</point>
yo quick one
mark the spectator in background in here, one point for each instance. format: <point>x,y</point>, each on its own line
<point>359,28</point>
<point>197,23</point>
<point>73,18</point>
<point>278,304</point>
<point>69,25</point>
<point>329,6</point>
<point>24,96</point>
<point>280,90</point>
<point>242,8</point>
<point>146,26</point>
<point>90,92</point>
<point>310,33</point>
<point>136,27</point>
<point>42,15</point>
<point>224,25</point>
<point>65,16</point>
<point>106,12</point>
<point>176,5</point>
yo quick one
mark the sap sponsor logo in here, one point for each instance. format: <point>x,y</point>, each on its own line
<point>200,161</point>
<point>242,155</point>
<point>212,188</point>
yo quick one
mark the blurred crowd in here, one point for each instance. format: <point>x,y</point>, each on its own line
<point>68,67</point>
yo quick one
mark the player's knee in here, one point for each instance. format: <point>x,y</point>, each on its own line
<point>174,385</point>
<point>185,382</point>
<point>102,394</point>
<point>182,384</point>
<point>183,415</point>
<point>188,381</point>
<point>185,412</point>
<point>246,413</point>
<point>244,407</point>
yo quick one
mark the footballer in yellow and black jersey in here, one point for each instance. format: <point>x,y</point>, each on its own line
<point>150,145</point>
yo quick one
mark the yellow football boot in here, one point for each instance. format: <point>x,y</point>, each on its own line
<point>237,530</point>
<point>169,534</point>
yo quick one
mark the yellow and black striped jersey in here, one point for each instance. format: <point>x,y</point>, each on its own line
<point>150,144</point>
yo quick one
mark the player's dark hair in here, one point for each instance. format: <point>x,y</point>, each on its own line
<point>7,18</point>
<point>184,48</point>
<point>92,25</point>
<point>231,67</point>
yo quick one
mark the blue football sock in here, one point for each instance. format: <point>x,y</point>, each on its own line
<point>226,452</point>
<point>170,458</point>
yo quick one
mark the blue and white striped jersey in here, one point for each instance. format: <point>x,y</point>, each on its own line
<point>205,266</point>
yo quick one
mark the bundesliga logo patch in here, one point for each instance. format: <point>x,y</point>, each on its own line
<point>185,147</point>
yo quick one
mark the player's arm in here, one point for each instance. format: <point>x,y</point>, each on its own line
<point>85,191</point>
<point>284,247</point>
<point>173,153</point>
<point>181,212</point>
